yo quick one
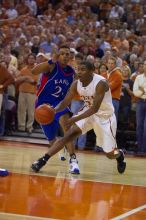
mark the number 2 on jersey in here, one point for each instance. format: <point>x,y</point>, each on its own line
<point>58,91</point>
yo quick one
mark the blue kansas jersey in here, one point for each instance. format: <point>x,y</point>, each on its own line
<point>52,90</point>
<point>54,86</point>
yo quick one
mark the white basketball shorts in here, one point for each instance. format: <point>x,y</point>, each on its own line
<point>105,130</point>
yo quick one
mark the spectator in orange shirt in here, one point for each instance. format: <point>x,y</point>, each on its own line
<point>27,96</point>
<point>114,78</point>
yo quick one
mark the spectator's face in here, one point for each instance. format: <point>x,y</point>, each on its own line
<point>22,41</point>
<point>31,60</point>
<point>64,56</point>
<point>20,60</point>
<point>103,69</point>
<point>111,64</point>
<point>135,49</point>
<point>125,72</point>
<point>97,62</point>
<point>78,60</point>
<point>140,68</point>
<point>136,64</point>
<point>108,53</point>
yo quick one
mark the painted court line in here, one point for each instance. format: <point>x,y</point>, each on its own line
<point>26,217</point>
<point>129,213</point>
<point>74,177</point>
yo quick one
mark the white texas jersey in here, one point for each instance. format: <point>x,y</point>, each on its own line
<point>87,95</point>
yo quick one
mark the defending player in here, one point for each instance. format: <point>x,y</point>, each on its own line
<point>98,114</point>
<point>54,84</point>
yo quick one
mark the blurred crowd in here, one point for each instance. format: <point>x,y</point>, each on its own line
<point>109,33</point>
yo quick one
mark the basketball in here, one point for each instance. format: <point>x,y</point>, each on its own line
<point>44,114</point>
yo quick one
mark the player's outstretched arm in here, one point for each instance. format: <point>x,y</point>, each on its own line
<point>68,98</point>
<point>42,68</point>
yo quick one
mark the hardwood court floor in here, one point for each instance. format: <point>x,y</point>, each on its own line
<point>98,193</point>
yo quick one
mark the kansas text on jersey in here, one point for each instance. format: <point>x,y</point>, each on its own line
<point>54,86</point>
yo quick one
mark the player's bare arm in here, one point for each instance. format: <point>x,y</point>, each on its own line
<point>43,68</point>
<point>68,98</point>
<point>101,88</point>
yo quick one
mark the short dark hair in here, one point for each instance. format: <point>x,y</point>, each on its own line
<point>89,65</point>
<point>64,46</point>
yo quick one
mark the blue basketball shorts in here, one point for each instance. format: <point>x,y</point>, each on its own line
<point>51,130</point>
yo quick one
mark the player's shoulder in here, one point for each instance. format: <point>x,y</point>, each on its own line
<point>98,78</point>
<point>100,81</point>
<point>67,69</point>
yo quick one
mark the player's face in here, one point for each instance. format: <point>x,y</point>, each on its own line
<point>64,56</point>
<point>84,73</point>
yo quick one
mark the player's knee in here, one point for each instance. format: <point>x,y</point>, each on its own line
<point>74,131</point>
<point>67,138</point>
<point>113,154</point>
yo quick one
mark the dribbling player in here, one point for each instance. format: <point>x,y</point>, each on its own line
<point>97,114</point>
